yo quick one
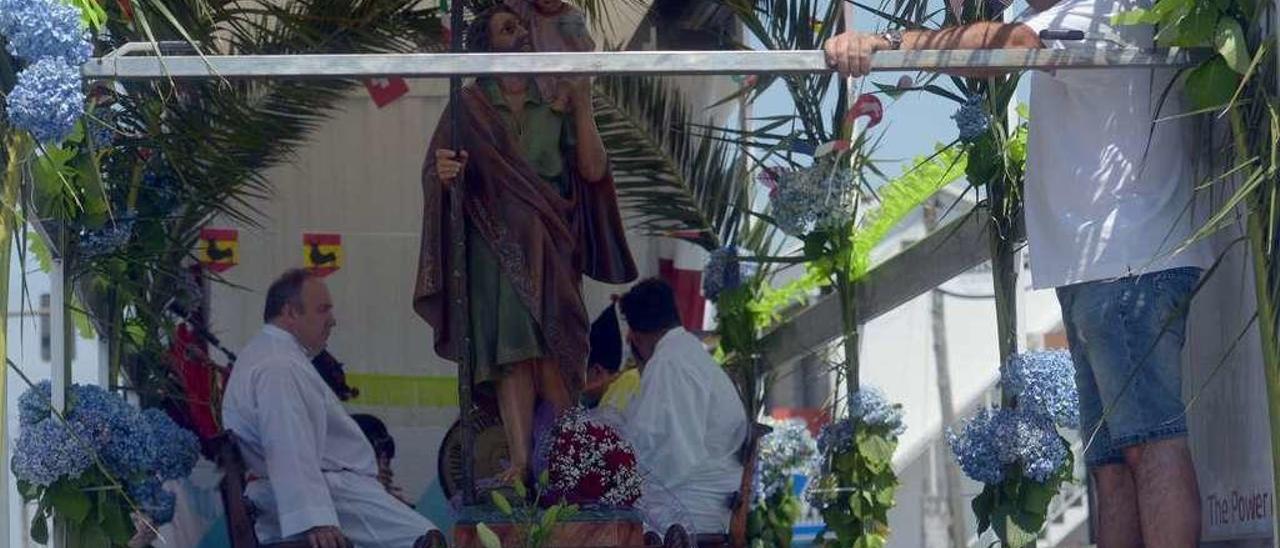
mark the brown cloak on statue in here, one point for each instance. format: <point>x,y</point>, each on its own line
<point>543,241</point>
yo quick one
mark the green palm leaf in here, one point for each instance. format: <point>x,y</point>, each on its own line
<point>671,181</point>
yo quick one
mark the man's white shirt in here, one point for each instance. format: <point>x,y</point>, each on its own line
<point>1111,168</point>
<point>687,425</point>
<point>315,466</point>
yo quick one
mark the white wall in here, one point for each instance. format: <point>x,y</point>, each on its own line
<point>24,349</point>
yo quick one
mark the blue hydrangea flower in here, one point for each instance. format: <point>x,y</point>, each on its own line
<point>141,449</point>
<point>1030,440</point>
<point>821,197</point>
<point>48,99</point>
<point>176,448</point>
<point>972,119</point>
<point>788,450</point>
<point>724,272</point>
<point>870,405</point>
<point>975,448</point>
<point>102,127</point>
<point>45,29</point>
<point>1044,384</point>
<point>154,500</point>
<point>33,404</point>
<point>47,452</point>
<point>162,190</point>
<point>108,239</point>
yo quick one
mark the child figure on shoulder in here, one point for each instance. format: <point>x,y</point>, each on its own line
<point>554,25</point>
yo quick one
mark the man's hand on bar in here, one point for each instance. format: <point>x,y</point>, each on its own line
<point>851,52</point>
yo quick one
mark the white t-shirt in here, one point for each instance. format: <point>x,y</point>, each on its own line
<point>1108,194</point>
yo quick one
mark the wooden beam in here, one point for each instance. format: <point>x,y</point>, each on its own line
<point>954,249</point>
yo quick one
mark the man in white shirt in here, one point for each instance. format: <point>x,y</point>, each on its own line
<point>687,423</point>
<point>314,474</point>
<point>1107,193</point>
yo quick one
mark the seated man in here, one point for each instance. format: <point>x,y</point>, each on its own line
<point>688,423</point>
<point>608,387</point>
<point>314,475</point>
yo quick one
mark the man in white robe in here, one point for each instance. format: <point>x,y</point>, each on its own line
<point>313,473</point>
<point>687,423</point>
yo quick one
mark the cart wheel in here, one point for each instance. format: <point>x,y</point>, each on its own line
<point>677,537</point>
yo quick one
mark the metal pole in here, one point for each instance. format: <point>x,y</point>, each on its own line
<point>60,368</point>
<point>959,532</point>
<point>458,277</point>
<point>443,65</point>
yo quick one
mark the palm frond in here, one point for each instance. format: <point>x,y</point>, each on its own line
<point>670,181</point>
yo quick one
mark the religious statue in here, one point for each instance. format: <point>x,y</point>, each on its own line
<point>541,211</point>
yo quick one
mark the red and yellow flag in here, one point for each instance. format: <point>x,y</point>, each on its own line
<point>219,248</point>
<point>322,253</point>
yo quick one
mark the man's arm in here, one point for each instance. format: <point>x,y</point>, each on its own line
<point>292,425</point>
<point>851,52</point>
<point>593,161</point>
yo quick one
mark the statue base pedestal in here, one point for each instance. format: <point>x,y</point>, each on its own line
<point>596,528</point>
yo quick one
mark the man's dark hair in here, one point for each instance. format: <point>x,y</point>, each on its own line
<point>650,306</point>
<point>287,289</point>
<point>477,36</point>
<point>606,341</point>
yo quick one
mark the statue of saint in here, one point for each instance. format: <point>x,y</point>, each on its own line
<point>541,211</point>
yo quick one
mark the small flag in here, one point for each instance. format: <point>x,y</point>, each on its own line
<point>322,253</point>
<point>219,248</point>
<point>385,91</point>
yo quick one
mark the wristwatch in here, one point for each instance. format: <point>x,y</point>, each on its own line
<point>894,38</point>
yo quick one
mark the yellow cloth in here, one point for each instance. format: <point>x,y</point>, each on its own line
<point>622,390</point>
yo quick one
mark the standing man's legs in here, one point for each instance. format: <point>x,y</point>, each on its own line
<point>1168,495</point>
<point>1126,338</point>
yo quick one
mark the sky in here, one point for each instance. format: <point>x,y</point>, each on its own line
<point>913,124</point>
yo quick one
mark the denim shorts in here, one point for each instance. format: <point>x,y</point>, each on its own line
<point>1126,339</point>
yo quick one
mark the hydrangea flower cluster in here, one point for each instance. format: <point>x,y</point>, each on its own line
<point>869,407</point>
<point>972,119</point>
<point>724,272</point>
<point>51,37</point>
<point>108,239</point>
<point>1031,440</point>
<point>38,29</point>
<point>996,439</point>
<point>589,463</point>
<point>821,197</point>
<point>140,449</point>
<point>975,448</point>
<point>786,451</point>
<point>47,100</point>
<point>1044,384</point>
<point>162,190</point>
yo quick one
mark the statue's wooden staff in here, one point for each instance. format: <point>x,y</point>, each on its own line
<point>458,277</point>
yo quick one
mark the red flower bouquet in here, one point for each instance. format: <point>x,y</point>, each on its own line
<point>589,463</point>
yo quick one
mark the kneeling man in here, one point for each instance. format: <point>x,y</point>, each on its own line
<point>314,474</point>
<point>687,423</point>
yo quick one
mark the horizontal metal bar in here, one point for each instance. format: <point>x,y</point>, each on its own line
<point>440,65</point>
<point>948,252</point>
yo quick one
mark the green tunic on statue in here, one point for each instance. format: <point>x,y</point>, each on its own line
<point>502,330</point>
